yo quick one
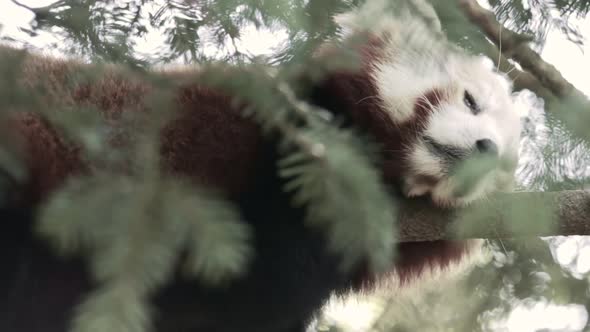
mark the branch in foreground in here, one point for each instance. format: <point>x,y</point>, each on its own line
<point>503,216</point>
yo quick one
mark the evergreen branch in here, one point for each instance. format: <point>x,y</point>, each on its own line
<point>343,195</point>
<point>107,216</point>
<point>327,167</point>
<point>115,307</point>
<point>350,199</point>
<point>219,243</point>
<point>135,232</point>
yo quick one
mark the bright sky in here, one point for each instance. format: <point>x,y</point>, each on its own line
<point>570,59</point>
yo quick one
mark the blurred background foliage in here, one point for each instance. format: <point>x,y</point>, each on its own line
<point>519,273</point>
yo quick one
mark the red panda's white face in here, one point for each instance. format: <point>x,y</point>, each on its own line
<point>454,116</point>
<point>469,144</point>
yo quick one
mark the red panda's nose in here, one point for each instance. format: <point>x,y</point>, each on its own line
<point>486,146</point>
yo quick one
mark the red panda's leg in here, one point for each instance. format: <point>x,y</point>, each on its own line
<point>299,327</point>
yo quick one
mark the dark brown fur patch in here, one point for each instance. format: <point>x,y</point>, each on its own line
<point>49,159</point>
<point>415,257</point>
<point>354,95</point>
<point>210,142</point>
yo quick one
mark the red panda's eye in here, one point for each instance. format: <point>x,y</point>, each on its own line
<point>470,102</point>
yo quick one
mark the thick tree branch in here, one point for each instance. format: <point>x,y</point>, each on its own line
<point>514,46</point>
<point>521,79</point>
<point>503,216</point>
<point>40,12</point>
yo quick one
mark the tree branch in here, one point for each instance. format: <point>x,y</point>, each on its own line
<point>40,12</point>
<point>503,216</point>
<point>521,79</point>
<point>514,46</point>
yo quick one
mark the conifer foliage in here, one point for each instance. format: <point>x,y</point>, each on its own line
<point>134,230</point>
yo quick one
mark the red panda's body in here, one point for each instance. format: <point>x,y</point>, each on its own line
<point>210,143</point>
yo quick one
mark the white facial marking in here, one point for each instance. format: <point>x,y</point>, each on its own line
<point>453,123</point>
<point>399,86</point>
<point>397,26</point>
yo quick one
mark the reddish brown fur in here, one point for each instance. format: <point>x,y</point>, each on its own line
<point>210,143</point>
<point>49,159</point>
<point>206,140</point>
<point>225,149</point>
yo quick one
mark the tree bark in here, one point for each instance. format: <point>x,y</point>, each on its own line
<point>562,99</point>
<point>515,46</point>
<point>502,216</point>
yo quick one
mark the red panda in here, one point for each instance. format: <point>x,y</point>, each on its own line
<point>428,105</point>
